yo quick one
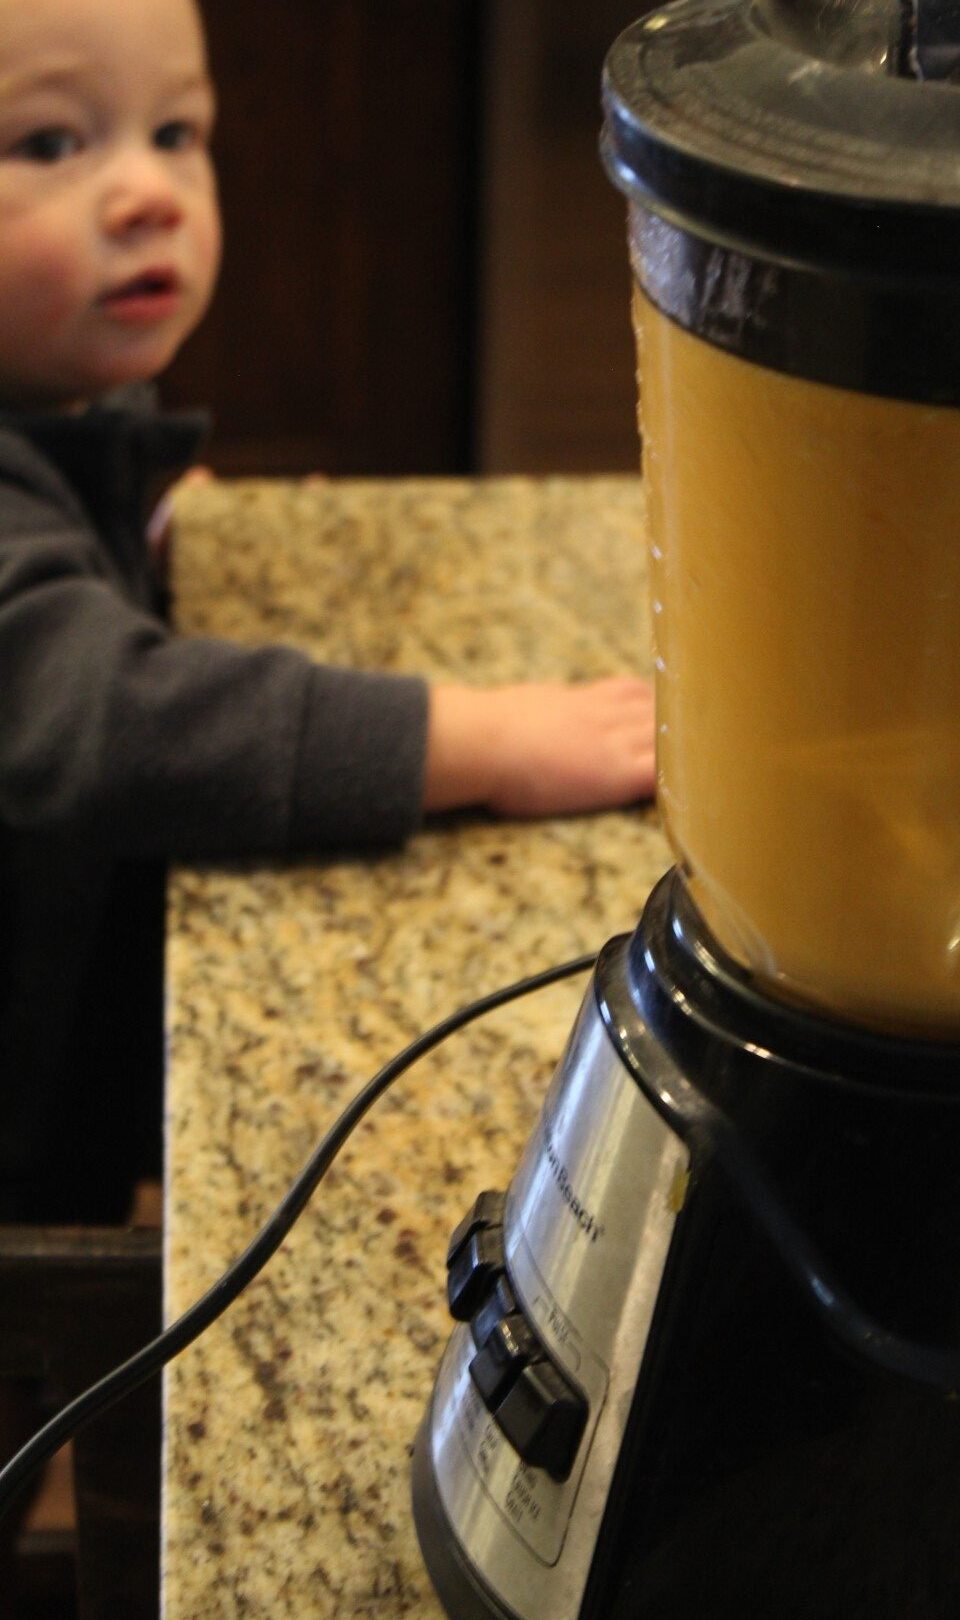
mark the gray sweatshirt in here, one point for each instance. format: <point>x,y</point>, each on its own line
<point>123,746</point>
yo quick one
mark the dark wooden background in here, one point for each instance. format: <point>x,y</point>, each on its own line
<point>425,266</point>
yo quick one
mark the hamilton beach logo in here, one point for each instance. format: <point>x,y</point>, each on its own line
<point>587,1222</point>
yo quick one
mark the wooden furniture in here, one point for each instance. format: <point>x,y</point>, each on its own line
<point>425,267</point>
<point>341,335</point>
<point>74,1303</point>
<point>556,383</point>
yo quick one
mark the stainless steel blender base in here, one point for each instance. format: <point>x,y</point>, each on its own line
<point>457,1584</point>
<point>591,1208</point>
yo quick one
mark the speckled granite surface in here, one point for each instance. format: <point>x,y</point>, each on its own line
<point>289,1424</point>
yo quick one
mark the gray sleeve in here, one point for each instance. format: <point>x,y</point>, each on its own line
<point>113,729</point>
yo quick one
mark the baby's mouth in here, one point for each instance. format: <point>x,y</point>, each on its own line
<point>147,296</point>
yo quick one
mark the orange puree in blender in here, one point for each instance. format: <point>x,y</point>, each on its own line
<point>805,549</point>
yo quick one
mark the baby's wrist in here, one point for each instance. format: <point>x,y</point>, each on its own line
<point>461,764</point>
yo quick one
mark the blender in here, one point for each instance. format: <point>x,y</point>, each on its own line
<point>707,1352</point>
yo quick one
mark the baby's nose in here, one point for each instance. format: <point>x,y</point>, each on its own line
<point>140,195</point>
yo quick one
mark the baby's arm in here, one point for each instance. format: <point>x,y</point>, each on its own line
<point>528,749</point>
<point>540,749</point>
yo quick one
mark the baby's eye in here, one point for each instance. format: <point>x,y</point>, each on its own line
<point>177,136</point>
<point>49,145</point>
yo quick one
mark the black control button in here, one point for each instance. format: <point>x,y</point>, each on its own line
<point>502,1358</point>
<point>543,1417</point>
<point>487,1211</point>
<point>540,1411</point>
<point>501,1301</point>
<point>474,1270</point>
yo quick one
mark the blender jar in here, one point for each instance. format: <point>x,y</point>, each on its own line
<point>794,225</point>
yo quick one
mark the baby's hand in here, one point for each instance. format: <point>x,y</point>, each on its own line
<point>160,524</point>
<point>541,749</point>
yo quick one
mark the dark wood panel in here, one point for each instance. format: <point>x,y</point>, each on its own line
<point>74,1303</point>
<point>341,337</point>
<point>556,380</point>
<point>426,266</point>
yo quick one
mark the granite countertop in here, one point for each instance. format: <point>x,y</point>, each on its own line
<point>289,1424</point>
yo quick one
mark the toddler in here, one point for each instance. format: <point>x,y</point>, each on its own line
<point>122,746</point>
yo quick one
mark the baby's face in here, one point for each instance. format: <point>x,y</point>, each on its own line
<point>109,231</point>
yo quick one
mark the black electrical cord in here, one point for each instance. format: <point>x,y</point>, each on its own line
<point>144,1363</point>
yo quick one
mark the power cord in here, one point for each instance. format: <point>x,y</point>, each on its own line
<point>198,1317</point>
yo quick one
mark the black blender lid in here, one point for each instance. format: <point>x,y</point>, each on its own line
<point>798,129</point>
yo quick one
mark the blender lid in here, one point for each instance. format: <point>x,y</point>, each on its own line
<point>811,131</point>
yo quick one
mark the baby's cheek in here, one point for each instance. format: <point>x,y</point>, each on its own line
<point>55,293</point>
<point>40,277</point>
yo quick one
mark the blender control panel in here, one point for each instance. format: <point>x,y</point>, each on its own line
<point>537,1406</point>
<point>521,1387</point>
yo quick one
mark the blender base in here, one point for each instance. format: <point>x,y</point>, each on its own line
<point>455,1581</point>
<point>790,1439</point>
